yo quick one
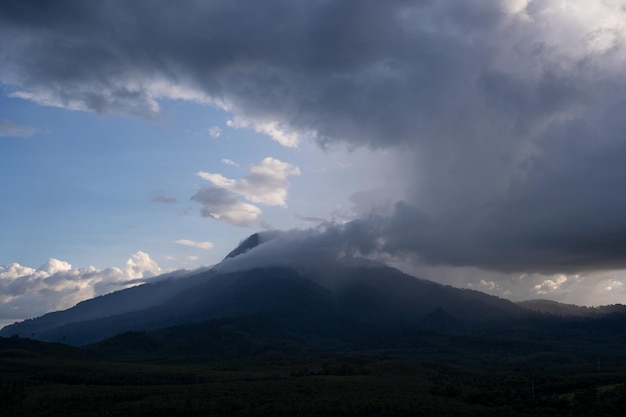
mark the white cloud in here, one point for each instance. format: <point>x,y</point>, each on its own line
<point>551,285</point>
<point>279,132</point>
<point>138,97</point>
<point>614,285</point>
<point>215,132</point>
<point>51,99</point>
<point>140,265</point>
<point>199,245</point>
<point>27,292</point>
<point>230,162</point>
<point>238,214</point>
<point>266,184</point>
<point>489,285</point>
<point>159,88</point>
<point>218,179</point>
<point>14,270</point>
<point>238,122</point>
<point>54,265</point>
<point>219,204</point>
<point>10,129</point>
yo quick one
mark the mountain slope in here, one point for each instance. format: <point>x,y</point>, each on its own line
<point>570,310</point>
<point>380,295</point>
<point>251,242</point>
<point>363,292</point>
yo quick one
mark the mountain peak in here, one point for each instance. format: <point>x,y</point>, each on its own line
<point>251,242</point>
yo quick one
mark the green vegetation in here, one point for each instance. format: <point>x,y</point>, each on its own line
<point>243,367</point>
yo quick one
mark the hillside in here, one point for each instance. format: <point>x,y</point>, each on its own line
<point>368,295</point>
<point>365,292</point>
<point>570,310</point>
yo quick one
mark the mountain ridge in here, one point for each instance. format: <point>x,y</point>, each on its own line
<point>570,310</point>
<point>370,295</point>
<point>364,291</point>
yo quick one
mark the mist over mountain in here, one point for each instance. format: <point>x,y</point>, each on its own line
<point>249,280</point>
<point>251,242</point>
<point>278,273</point>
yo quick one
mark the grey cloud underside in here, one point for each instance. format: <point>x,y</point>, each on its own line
<point>219,203</point>
<point>516,134</point>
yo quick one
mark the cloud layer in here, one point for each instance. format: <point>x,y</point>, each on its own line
<point>10,129</point>
<point>194,244</point>
<point>511,110</point>
<point>320,249</point>
<point>219,204</point>
<point>27,292</point>
<point>265,184</point>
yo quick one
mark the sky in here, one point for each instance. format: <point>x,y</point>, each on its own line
<point>475,143</point>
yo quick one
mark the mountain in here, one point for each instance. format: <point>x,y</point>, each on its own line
<point>570,310</point>
<point>327,333</point>
<point>251,242</point>
<point>358,291</point>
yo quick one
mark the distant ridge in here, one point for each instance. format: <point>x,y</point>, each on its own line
<point>570,310</point>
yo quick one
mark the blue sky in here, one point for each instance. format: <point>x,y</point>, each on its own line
<point>478,144</point>
<point>92,189</point>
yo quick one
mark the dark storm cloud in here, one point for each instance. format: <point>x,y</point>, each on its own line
<point>512,110</point>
